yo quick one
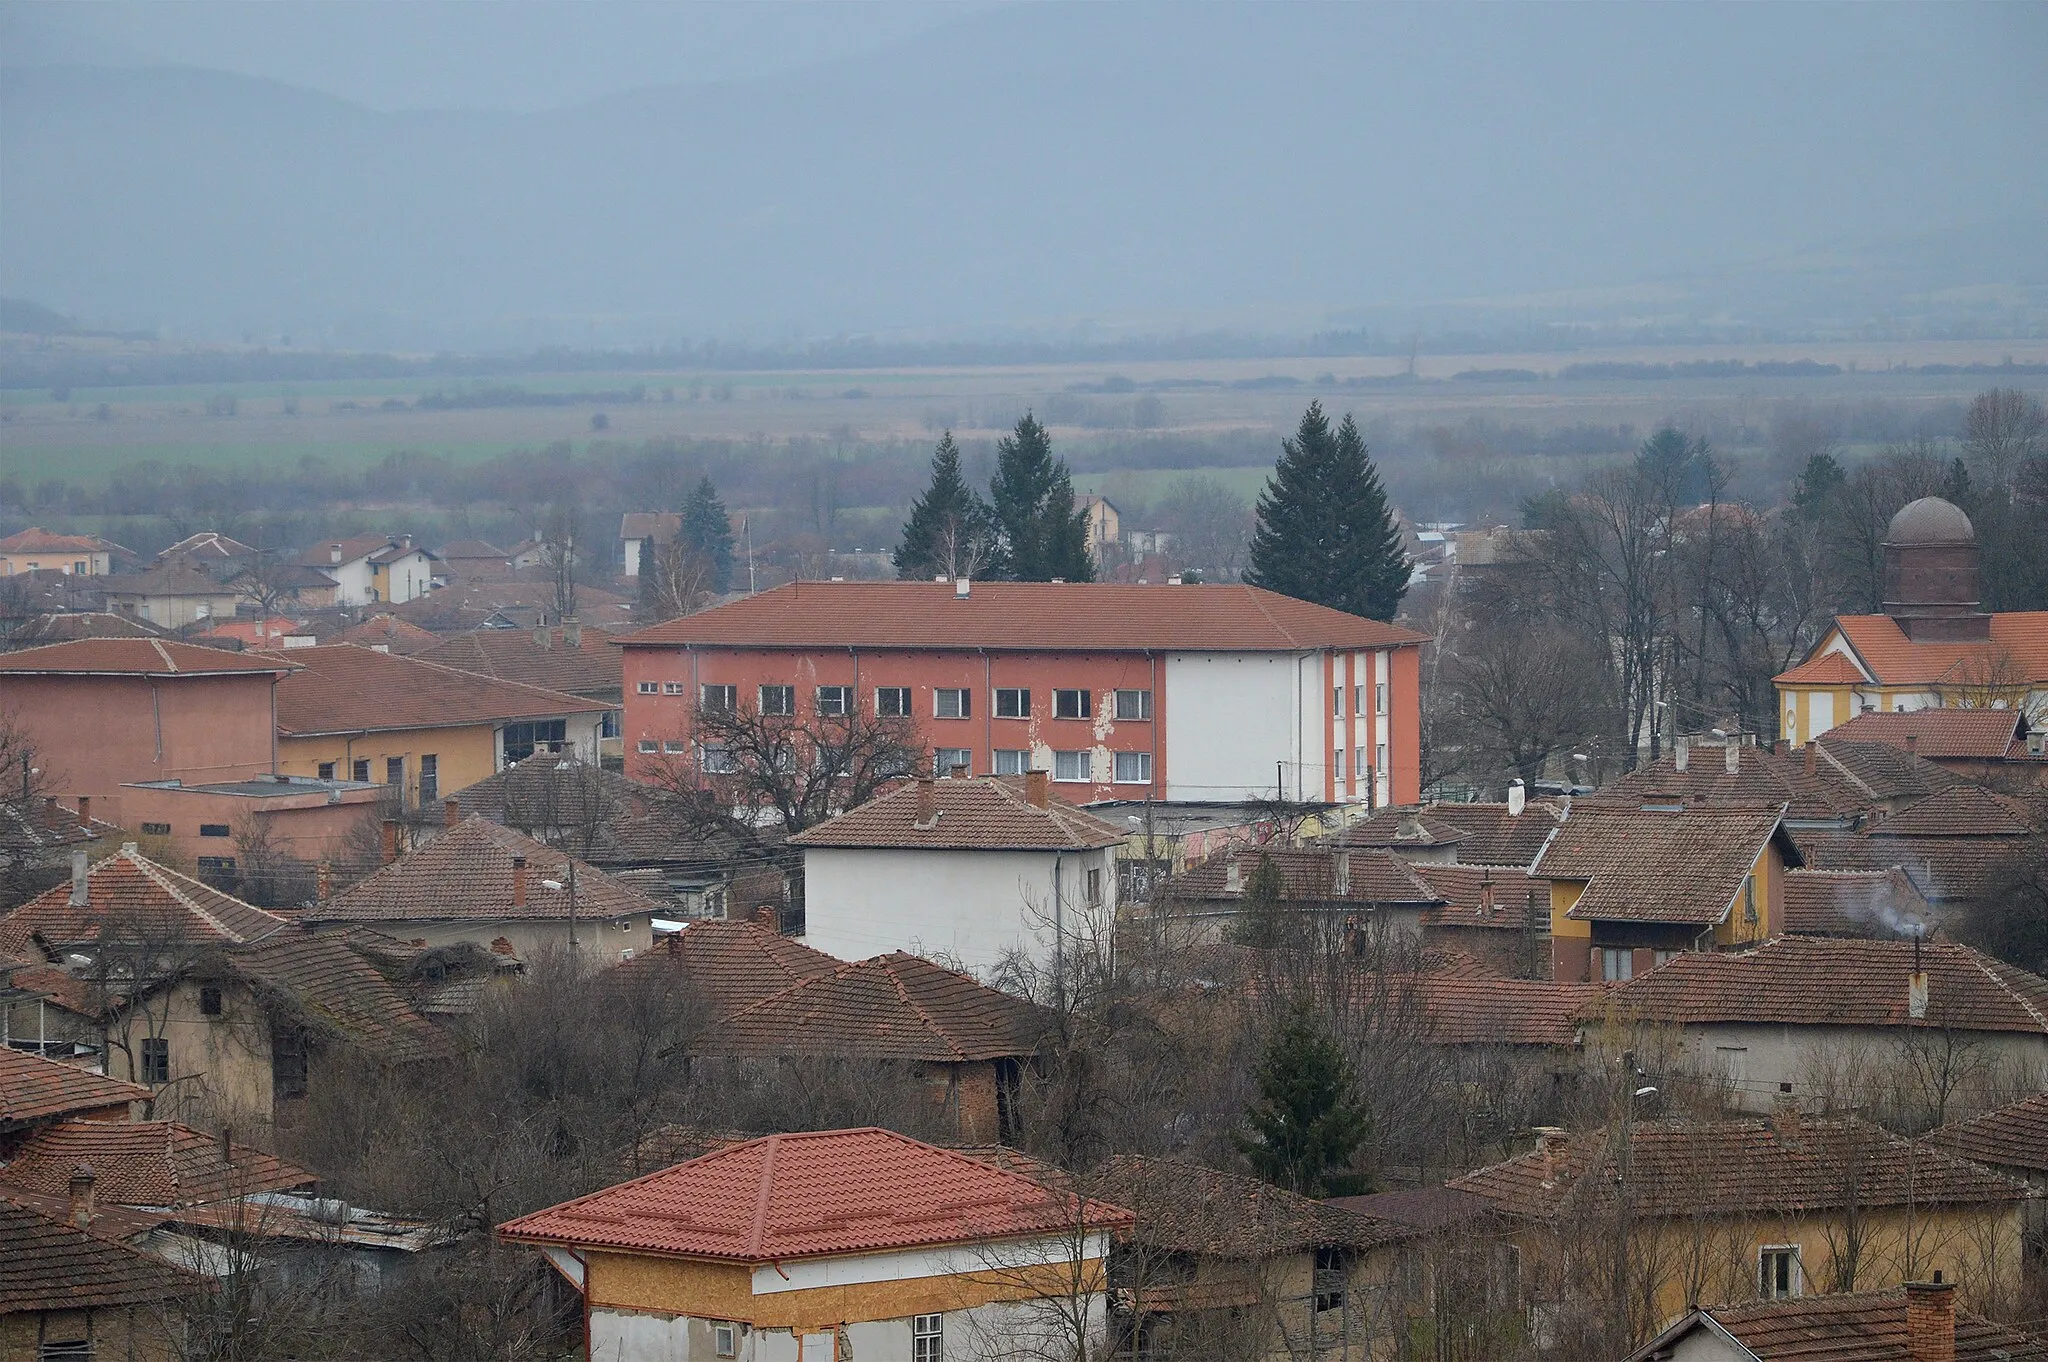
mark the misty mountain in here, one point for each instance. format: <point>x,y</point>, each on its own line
<point>1069,170</point>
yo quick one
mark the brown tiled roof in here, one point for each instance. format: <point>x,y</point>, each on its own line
<point>1422,1208</point>
<point>471,548</point>
<point>63,627</point>
<point>1824,981</point>
<point>1023,616</point>
<point>344,688</point>
<point>1944,869</point>
<point>1497,1011</point>
<point>147,1163</point>
<point>1890,774</point>
<point>175,578</point>
<point>46,826</point>
<point>135,894</point>
<point>468,602</point>
<point>1742,1167</point>
<point>1983,733</point>
<point>388,633</point>
<point>208,544</point>
<point>46,1264</point>
<point>321,555</point>
<point>1399,829</point>
<point>658,525</point>
<point>1962,811</point>
<point>2018,642</point>
<point>981,814</point>
<point>1490,896</point>
<point>56,988</point>
<point>137,657</point>
<point>1185,1207</point>
<point>1761,777</point>
<point>620,821</point>
<point>1864,1327</point>
<point>34,1089</point>
<point>466,872</point>
<point>1852,903</point>
<point>1307,875</point>
<point>335,991</point>
<point>2010,1137</point>
<point>1493,836</point>
<point>734,965</point>
<point>1644,865</point>
<point>893,1007</point>
<point>36,539</point>
<point>593,667</point>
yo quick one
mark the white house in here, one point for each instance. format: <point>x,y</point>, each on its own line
<point>965,871</point>
<point>641,527</point>
<point>373,568</point>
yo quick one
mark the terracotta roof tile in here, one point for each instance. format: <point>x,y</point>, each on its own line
<point>893,1007</point>
<point>1963,811</point>
<point>2018,642</point>
<point>1865,1327</point>
<point>336,991</point>
<point>136,894</point>
<point>1488,896</point>
<point>1484,834</point>
<point>1889,773</point>
<point>824,1193</point>
<point>209,545</point>
<point>175,578</point>
<point>344,688</point>
<point>1761,777</point>
<point>36,539</point>
<point>467,872</point>
<point>1399,829</point>
<point>1946,870</point>
<point>322,555</point>
<point>1422,1208</point>
<point>2015,1136</point>
<point>63,627</point>
<point>469,602</point>
<point>1497,1011</point>
<point>388,633</point>
<point>1987,734</point>
<point>1184,1207</point>
<point>137,657</point>
<point>1876,903</point>
<point>593,667</point>
<point>471,548</point>
<point>56,988</point>
<point>1827,669</point>
<point>981,814</point>
<point>1307,875</point>
<point>48,1265</point>
<point>1023,616</point>
<point>35,1089</point>
<point>557,797</point>
<point>1644,865</point>
<point>147,1163</point>
<point>734,965</point>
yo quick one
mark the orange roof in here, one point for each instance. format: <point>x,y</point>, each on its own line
<point>1023,616</point>
<point>1869,1327</point>
<point>53,1266</point>
<point>1829,669</point>
<point>823,1193</point>
<point>1988,734</point>
<point>32,1088</point>
<point>344,688</point>
<point>982,814</point>
<point>35,539</point>
<point>2018,642</point>
<point>255,633</point>
<point>733,964</point>
<point>136,657</point>
<point>147,1163</point>
<point>139,895</point>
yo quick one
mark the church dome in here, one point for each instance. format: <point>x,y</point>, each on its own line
<point>1930,520</point>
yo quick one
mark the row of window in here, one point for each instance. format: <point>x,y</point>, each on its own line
<point>1127,768</point>
<point>1379,700</point>
<point>894,702</point>
<point>927,1338</point>
<point>1379,763</point>
<point>394,773</point>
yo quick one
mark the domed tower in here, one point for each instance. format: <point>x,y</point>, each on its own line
<point>1930,573</point>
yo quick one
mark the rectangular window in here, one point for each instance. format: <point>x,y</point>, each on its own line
<point>1731,1064</point>
<point>1072,704</point>
<point>1379,758</point>
<point>360,771</point>
<point>1777,1275</point>
<point>951,704</point>
<point>1379,698</point>
<point>67,1350</point>
<point>1337,765</point>
<point>1094,886</point>
<point>716,761</point>
<point>213,830</point>
<point>835,700</point>
<point>649,745</point>
<point>394,771</point>
<point>650,688</point>
<point>945,759</point>
<point>779,700</point>
<point>1133,705</point>
<point>209,1001</point>
<point>1134,768</point>
<point>156,1060</point>
<point>1331,1274</point>
<point>1749,898</point>
<point>430,777</point>
<point>1013,704</point>
<point>215,865</point>
<point>1072,765</point>
<point>287,1060</point>
<point>1617,964</point>
<point>676,688</point>
<point>156,829</point>
<point>1012,763</point>
<point>326,770</point>
<point>892,702</point>
<point>542,735</point>
<point>927,1339</point>
<point>718,699</point>
<point>1358,699</point>
<point>725,1339</point>
<point>1336,702</point>
<point>675,747</point>
<point>1358,757</point>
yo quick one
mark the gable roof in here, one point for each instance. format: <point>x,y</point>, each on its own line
<point>337,991</point>
<point>388,633</point>
<point>136,894</point>
<point>608,818</point>
<point>1944,869</point>
<point>138,657</point>
<point>892,1007</point>
<point>33,1088</point>
<point>1889,773</point>
<point>2018,644</point>
<point>36,539</point>
<point>1483,896</point>
<point>321,555</point>
<point>819,1194</point>
<point>733,964</point>
<point>471,548</point>
<point>1468,1010</point>
<point>1399,829</point>
<point>1985,734</point>
<point>175,578</point>
<point>346,688</point>
<point>1820,981</point>
<point>1853,903</point>
<point>1484,834</point>
<point>64,626</point>
<point>1023,616</point>
<point>208,544</point>
<point>657,525</point>
<point>1661,865</point>
<point>1824,669</point>
<point>147,1163</point>
<point>1860,1327</point>
<point>55,1266</point>
<point>1760,777</point>
<point>1307,875</point>
<point>472,602</point>
<point>592,666</point>
<point>979,814</point>
<point>2013,1136</point>
<point>1185,1207</point>
<point>1960,811</point>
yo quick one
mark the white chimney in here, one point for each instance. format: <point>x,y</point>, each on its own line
<point>1731,751</point>
<point>961,586</point>
<point>1518,799</point>
<point>1681,752</point>
<point>78,879</point>
<point>1233,878</point>
<point>1341,875</point>
<point>1916,995</point>
<point>334,553</point>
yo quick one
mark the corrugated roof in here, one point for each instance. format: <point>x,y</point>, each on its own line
<point>2014,1136</point>
<point>53,1266</point>
<point>467,872</point>
<point>147,1163</point>
<point>136,894</point>
<point>346,688</point>
<point>1683,865</point>
<point>33,1088</point>
<point>1986,734</point>
<point>137,657</point>
<point>1024,616</point>
<point>980,814</point>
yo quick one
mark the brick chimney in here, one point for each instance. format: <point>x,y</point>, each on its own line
<point>78,879</point>
<point>451,811</point>
<point>1551,1146</point>
<point>85,811</point>
<point>1036,792</point>
<point>1812,757</point>
<point>80,1190</point>
<point>1912,744</point>
<point>927,801</point>
<point>1785,1120</point>
<point>390,840</point>
<point>323,881</point>
<point>768,917</point>
<point>518,881</point>
<point>1931,1321</point>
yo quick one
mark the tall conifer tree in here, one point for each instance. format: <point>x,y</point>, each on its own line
<point>707,529</point>
<point>951,531</point>
<point>1325,532</point>
<point>1308,1122</point>
<point>1044,534</point>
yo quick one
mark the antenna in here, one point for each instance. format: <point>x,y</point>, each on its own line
<point>747,534</point>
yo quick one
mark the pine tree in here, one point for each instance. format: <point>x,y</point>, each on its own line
<point>1325,532</point>
<point>1307,1122</point>
<point>951,531</point>
<point>708,530</point>
<point>1044,534</point>
<point>1818,486</point>
<point>1261,921</point>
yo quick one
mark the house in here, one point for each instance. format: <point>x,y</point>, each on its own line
<point>2014,1140</point>
<point>478,882</point>
<point>1499,914</point>
<point>835,1244</point>
<point>566,658</point>
<point>172,595</point>
<point>966,1044</point>
<point>1320,888</point>
<point>1880,903</point>
<point>212,553</point>
<point>1101,522</point>
<point>637,528</point>
<point>1976,743</point>
<point>1737,1211</point>
<point>1510,834</point>
<point>35,1092</point>
<point>469,559</point>
<point>494,603</point>
<point>1955,845</point>
<point>1818,793</point>
<point>237,831</point>
<point>1632,885</point>
<point>36,839</point>
<point>1793,1016</point>
<point>373,567</point>
<point>1917,1322</point>
<point>65,626</point>
<point>1121,691</point>
<point>1893,776</point>
<point>731,965</point>
<point>66,1292</point>
<point>45,1011</point>
<point>74,555</point>
<point>970,870</point>
<point>1932,648</point>
<point>347,712</point>
<point>274,585</point>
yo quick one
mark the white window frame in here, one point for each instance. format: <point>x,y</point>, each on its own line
<point>1380,758</point>
<point>782,694</point>
<point>675,747</point>
<point>649,745</point>
<point>1379,697</point>
<point>900,702</point>
<point>1337,765</point>
<point>672,688</point>
<point>1358,698</point>
<point>725,1338</point>
<point>963,700</point>
<point>1128,701</point>
<point>944,759</point>
<point>649,687</point>
<point>840,704</point>
<point>927,1338</point>
<point>1019,698</point>
<point>1012,761</point>
<point>1080,765</point>
<point>728,698</point>
<point>1336,702</point>
<point>1084,700</point>
<point>716,760</point>
<point>1617,964</point>
<point>1141,764</point>
<point>1795,1279</point>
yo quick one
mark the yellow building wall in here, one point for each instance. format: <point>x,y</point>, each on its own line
<point>1564,894</point>
<point>1768,875</point>
<point>465,755</point>
<point>219,1066</point>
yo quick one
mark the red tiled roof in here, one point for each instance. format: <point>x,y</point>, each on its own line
<point>893,1007</point>
<point>467,872</point>
<point>1645,865</point>
<point>1828,669</point>
<point>1023,616</point>
<point>66,626</point>
<point>137,657</point>
<point>1484,834</point>
<point>733,965</point>
<point>1185,1207</point>
<point>1962,811</point>
<point>1944,869</point>
<point>344,688</point>
<point>2018,645</point>
<point>390,634</point>
<point>1494,896</point>
<point>980,814</point>
<point>1864,1327</point>
<point>337,991</point>
<point>824,1193</point>
<point>1307,875</point>
<point>1398,829</point>
<point>1761,776</point>
<point>1983,733</point>
<point>1818,981</point>
<point>209,544</point>
<point>36,539</point>
<point>51,1265</point>
<point>592,667</point>
<point>33,1088</point>
<point>175,578</point>
<point>135,894</point>
<point>55,988</point>
<point>2015,1136</point>
<point>1497,1011</point>
<point>147,1163</point>
<point>1876,903</point>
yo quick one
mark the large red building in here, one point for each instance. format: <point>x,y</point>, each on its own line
<point>1120,691</point>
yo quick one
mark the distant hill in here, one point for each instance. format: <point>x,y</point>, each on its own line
<point>1072,170</point>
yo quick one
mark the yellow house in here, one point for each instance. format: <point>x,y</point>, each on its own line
<point>830,1246</point>
<point>74,555</point>
<point>1632,884</point>
<point>360,714</point>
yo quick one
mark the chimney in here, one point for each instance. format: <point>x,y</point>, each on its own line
<point>1486,898</point>
<point>227,1145</point>
<point>1681,752</point>
<point>451,811</point>
<point>1812,757</point>
<point>1551,1145</point>
<point>80,1189</point>
<point>390,840</point>
<point>1916,991</point>
<point>85,811</point>
<point>1035,792</point>
<point>1340,875</point>
<point>323,881</point>
<point>499,946</point>
<point>1233,877</point>
<point>50,808</point>
<point>518,881</point>
<point>1785,1120</point>
<point>927,801</point>
<point>334,553</point>
<point>78,879</point>
<point>1518,799</point>
<point>1912,744</point>
<point>1931,1321</point>
<point>540,633</point>
<point>572,632</point>
<point>961,588</point>
<point>1731,752</point>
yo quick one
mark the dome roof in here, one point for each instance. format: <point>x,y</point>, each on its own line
<point>1930,520</point>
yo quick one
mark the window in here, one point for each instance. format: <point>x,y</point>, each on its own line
<point>213,830</point>
<point>1358,758</point>
<point>1337,764</point>
<point>945,759</point>
<point>778,699</point>
<point>1379,758</point>
<point>951,704</point>
<point>675,747</point>
<point>835,699</point>
<point>288,1061</point>
<point>1071,765</point>
<point>1133,704</point>
<point>1012,763</point>
<point>1336,702</point>
<point>1379,698</point>
<point>394,771</point>
<point>725,1339</point>
<point>1072,704</point>
<point>523,740</point>
<point>718,699</point>
<point>78,568</point>
<point>676,688</point>
<point>716,761</point>
<point>1095,886</point>
<point>1777,1275</point>
<point>1358,699</point>
<point>156,1060</point>
<point>325,770</point>
<point>209,1001</point>
<point>69,1350</point>
<point>359,770</point>
<point>1134,768</point>
<point>1731,1064</point>
<point>927,1338</point>
<point>1013,704</point>
<point>1617,964</point>
<point>649,688</point>
<point>892,702</point>
<point>1330,1279</point>
<point>215,865</point>
<point>1749,898</point>
<point>430,777</point>
<point>649,745</point>
<point>156,829</point>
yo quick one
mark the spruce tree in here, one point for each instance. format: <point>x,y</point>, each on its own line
<point>1261,921</point>
<point>1044,534</point>
<point>951,531</point>
<point>708,530</point>
<point>1325,532</point>
<point>1307,1122</point>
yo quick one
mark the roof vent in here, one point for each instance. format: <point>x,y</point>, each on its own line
<point>961,588</point>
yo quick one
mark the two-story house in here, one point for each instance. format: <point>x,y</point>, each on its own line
<point>373,567</point>
<point>74,555</point>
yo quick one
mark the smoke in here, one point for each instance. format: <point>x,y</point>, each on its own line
<point>1892,905</point>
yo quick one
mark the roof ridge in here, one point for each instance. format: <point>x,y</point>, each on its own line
<point>1977,958</point>
<point>764,1194</point>
<point>931,1022</point>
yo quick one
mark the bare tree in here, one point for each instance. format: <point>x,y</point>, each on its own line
<point>2002,430</point>
<point>793,771</point>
